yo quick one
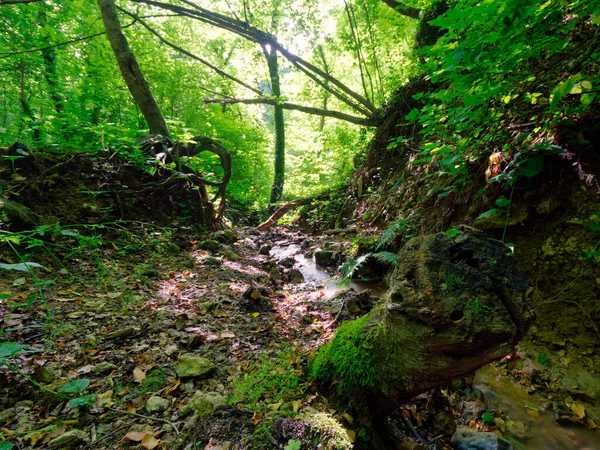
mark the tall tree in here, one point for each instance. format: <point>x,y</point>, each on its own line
<point>130,69</point>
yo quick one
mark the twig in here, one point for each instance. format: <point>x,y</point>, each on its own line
<point>410,426</point>
<point>106,436</point>
<point>141,416</point>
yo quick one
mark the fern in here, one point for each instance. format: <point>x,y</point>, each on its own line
<point>390,233</point>
<point>388,258</point>
<point>353,264</point>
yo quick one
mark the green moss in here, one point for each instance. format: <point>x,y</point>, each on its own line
<point>349,357</point>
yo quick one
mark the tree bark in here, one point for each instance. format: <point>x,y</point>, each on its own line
<point>132,74</point>
<point>279,176</point>
<point>400,8</point>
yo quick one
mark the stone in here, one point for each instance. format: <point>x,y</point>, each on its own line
<point>193,366</point>
<point>455,303</point>
<point>204,403</point>
<point>321,428</point>
<point>324,258</point>
<point>104,367</point>
<point>225,236</point>
<point>7,414</point>
<point>265,249</point>
<point>157,404</point>
<point>70,439</point>
<point>295,276</point>
<point>210,244</point>
<point>287,262</point>
<point>466,439</point>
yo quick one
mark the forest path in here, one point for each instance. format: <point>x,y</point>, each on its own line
<point>124,320</point>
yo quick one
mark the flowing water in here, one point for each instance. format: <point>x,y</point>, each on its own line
<point>518,406</point>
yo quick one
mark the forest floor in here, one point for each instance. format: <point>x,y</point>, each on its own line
<point>165,341</point>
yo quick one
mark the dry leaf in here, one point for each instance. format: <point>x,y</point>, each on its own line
<point>132,409</point>
<point>578,409</point>
<point>136,436</point>
<point>351,435</point>
<point>105,398</point>
<point>149,442</point>
<point>255,314</point>
<point>76,314</point>
<point>139,375</point>
<point>295,405</point>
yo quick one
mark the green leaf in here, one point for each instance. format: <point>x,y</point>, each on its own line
<point>74,387</point>
<point>21,267</point>
<point>502,202</point>
<point>452,232</point>
<point>293,445</point>
<point>596,19</point>
<point>10,349</point>
<point>531,167</point>
<point>487,213</point>
<point>5,445</point>
<point>84,400</point>
<point>487,418</point>
<point>594,226</point>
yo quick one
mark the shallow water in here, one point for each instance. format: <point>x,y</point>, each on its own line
<point>545,434</point>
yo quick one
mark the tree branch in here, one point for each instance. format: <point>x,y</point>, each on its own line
<point>72,41</point>
<point>191,55</point>
<point>17,2</point>
<point>370,121</point>
<point>400,8</point>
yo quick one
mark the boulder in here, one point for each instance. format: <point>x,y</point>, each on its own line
<point>193,366</point>
<point>466,439</point>
<point>210,244</point>
<point>454,304</point>
<point>224,236</point>
<point>325,258</point>
<point>265,249</point>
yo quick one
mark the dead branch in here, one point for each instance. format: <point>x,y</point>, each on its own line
<point>282,211</point>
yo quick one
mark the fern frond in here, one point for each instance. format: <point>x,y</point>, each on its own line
<point>352,264</point>
<point>390,233</point>
<point>388,258</point>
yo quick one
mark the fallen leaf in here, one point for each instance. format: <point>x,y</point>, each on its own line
<point>139,375</point>
<point>578,409</point>
<point>76,314</point>
<point>256,418</point>
<point>149,442</point>
<point>105,399</point>
<point>295,405</point>
<point>348,417</point>
<point>227,335</point>
<point>255,314</point>
<point>132,409</point>
<point>136,436</point>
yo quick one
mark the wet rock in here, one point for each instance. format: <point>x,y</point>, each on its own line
<point>465,439</point>
<point>295,276</point>
<point>70,439</point>
<point>350,304</point>
<point>287,262</point>
<point>157,404</point>
<point>325,258</point>
<point>265,249</point>
<point>193,366</point>
<point>454,304</point>
<point>210,244</point>
<point>224,236</point>
<point>104,367</point>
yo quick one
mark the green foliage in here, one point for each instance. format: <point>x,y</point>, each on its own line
<point>453,283</point>
<point>351,265</point>
<point>348,358</point>
<point>477,309</point>
<point>543,359</point>
<point>293,445</point>
<point>487,418</point>
<point>390,234</point>
<point>270,381</point>
<point>5,445</point>
<point>155,380</point>
<point>74,387</point>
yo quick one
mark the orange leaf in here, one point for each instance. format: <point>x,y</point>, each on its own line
<point>149,442</point>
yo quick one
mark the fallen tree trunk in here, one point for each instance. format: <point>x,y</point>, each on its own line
<point>454,305</point>
<point>282,211</point>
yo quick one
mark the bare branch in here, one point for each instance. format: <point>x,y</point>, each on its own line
<point>401,8</point>
<point>191,55</point>
<point>370,121</point>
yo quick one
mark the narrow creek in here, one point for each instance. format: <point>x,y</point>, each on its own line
<point>534,427</point>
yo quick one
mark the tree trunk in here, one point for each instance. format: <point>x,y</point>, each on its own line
<point>132,74</point>
<point>27,110</point>
<point>278,179</point>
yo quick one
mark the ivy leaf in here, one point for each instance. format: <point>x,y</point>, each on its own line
<point>74,387</point>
